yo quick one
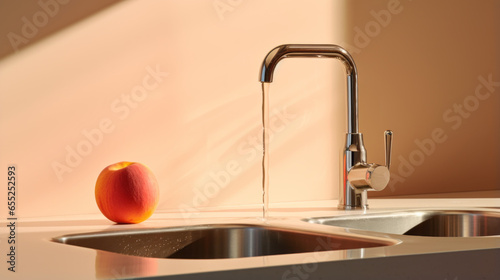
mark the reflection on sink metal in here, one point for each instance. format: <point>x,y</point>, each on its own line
<point>439,223</point>
<point>458,225</point>
<point>217,241</point>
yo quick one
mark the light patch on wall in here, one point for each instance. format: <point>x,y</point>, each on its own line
<point>57,93</point>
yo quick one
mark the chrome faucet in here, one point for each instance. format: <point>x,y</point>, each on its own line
<point>357,177</point>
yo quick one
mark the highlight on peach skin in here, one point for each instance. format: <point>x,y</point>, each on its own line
<point>127,192</point>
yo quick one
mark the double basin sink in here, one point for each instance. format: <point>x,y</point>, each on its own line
<point>222,241</point>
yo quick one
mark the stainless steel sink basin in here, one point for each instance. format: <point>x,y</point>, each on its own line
<point>438,223</point>
<point>217,241</point>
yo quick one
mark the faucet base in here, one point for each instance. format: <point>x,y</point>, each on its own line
<point>360,202</point>
<point>347,207</point>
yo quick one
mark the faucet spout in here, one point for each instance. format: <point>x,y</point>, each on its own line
<point>329,51</point>
<point>357,176</point>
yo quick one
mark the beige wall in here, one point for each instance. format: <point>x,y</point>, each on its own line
<point>173,85</point>
<point>421,73</point>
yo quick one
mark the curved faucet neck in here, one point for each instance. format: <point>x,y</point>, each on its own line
<point>329,51</point>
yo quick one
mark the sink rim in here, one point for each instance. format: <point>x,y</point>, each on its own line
<point>367,241</point>
<point>424,213</point>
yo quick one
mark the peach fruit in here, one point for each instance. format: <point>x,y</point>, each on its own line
<point>127,192</point>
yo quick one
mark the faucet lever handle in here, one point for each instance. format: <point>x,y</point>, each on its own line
<point>388,147</point>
